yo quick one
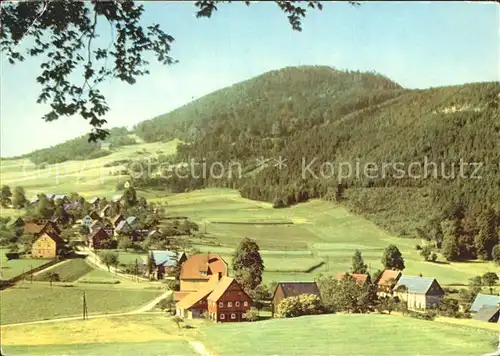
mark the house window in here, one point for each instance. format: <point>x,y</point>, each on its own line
<point>237,304</point>
<point>243,316</point>
<point>221,304</point>
<point>229,304</point>
<point>245,304</point>
<point>222,316</point>
<point>233,316</point>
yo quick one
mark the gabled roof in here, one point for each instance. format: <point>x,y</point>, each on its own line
<point>116,198</point>
<point>488,313</point>
<point>95,232</point>
<point>166,258</point>
<point>420,285</point>
<point>131,219</point>
<point>192,298</point>
<point>33,228</point>
<point>153,232</point>
<point>60,196</point>
<point>360,278</point>
<point>123,225</point>
<point>484,299</point>
<point>221,288</point>
<point>294,289</point>
<point>115,218</point>
<point>53,236</point>
<point>103,210</point>
<point>386,276</point>
<point>96,223</point>
<point>203,266</point>
<point>94,200</point>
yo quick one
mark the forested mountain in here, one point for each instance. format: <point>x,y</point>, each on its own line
<point>80,149</point>
<point>323,115</point>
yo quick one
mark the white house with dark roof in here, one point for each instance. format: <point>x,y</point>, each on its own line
<point>419,292</point>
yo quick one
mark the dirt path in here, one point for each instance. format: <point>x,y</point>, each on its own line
<point>200,348</point>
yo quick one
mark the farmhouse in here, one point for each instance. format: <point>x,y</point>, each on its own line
<point>94,215</point>
<point>97,237</point>
<point>292,289</point>
<point>166,261</point>
<point>222,298</point>
<point>96,224</point>
<point>361,279</point>
<point>484,300</point>
<point>132,220</point>
<point>386,282</point>
<point>419,292</point>
<point>46,245</point>
<point>489,314</point>
<point>123,228</point>
<point>197,270</point>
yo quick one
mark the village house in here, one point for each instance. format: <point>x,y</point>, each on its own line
<point>123,228</point>
<point>132,221</point>
<point>87,221</point>
<point>97,237</point>
<point>63,197</point>
<point>386,282</point>
<point>197,270</point>
<point>95,202</point>
<point>222,300</point>
<point>489,314</point>
<point>94,215</point>
<point>484,300</point>
<point>419,292</point>
<point>166,261</point>
<point>105,211</point>
<point>292,289</point>
<point>46,245</point>
<point>116,220</point>
<point>361,279</point>
<point>96,224</point>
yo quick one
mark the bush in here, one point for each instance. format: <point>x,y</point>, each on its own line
<point>173,284</point>
<point>252,315</point>
<point>418,247</point>
<point>166,304</point>
<point>428,315</point>
<point>12,255</point>
<point>305,304</point>
<point>449,307</point>
<point>434,257</point>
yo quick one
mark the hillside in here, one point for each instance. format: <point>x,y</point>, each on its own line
<point>319,114</point>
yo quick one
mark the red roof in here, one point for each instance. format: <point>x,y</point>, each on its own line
<point>360,278</point>
<point>386,276</point>
<point>203,266</point>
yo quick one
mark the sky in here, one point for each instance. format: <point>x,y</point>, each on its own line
<point>417,44</point>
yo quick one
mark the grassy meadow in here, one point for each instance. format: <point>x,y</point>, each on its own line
<point>105,293</point>
<point>88,178</point>
<point>68,271</point>
<point>156,334</point>
<point>321,238</point>
<point>12,268</point>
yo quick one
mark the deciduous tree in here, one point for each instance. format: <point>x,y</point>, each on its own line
<point>248,265</point>
<point>393,259</point>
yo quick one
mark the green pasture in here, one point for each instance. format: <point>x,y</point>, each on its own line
<point>68,271</point>
<point>38,301</point>
<point>12,268</point>
<point>88,178</point>
<point>347,335</point>
<point>324,231</point>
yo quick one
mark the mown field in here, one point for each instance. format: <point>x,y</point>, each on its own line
<point>35,301</point>
<point>156,334</point>
<point>68,271</point>
<point>12,268</point>
<point>321,239</point>
<point>88,178</point>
